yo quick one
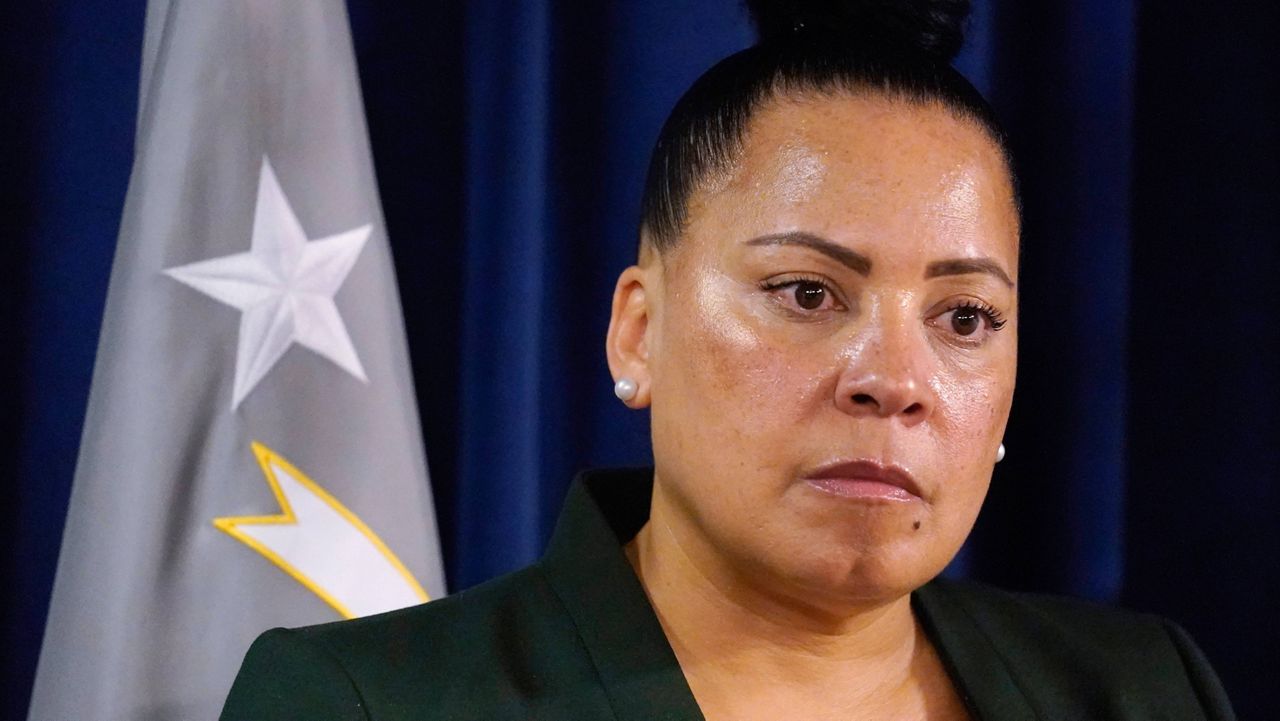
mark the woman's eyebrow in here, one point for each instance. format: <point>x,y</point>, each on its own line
<point>962,266</point>
<point>851,259</point>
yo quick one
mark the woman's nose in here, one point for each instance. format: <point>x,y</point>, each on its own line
<point>886,379</point>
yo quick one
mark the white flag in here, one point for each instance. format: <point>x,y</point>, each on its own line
<point>251,454</point>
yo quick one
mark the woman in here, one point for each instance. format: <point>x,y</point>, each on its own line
<point>823,322</point>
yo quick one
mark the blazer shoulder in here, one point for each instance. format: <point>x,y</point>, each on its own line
<point>447,634</point>
<point>1081,648</point>
<point>463,614</point>
<point>284,677</point>
<point>998,608</point>
<point>490,650</point>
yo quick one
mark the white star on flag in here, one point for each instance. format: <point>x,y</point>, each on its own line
<point>284,288</point>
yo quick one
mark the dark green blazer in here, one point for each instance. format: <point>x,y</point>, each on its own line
<point>574,637</point>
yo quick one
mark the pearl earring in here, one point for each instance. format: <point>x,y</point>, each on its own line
<point>1000,453</point>
<point>624,389</point>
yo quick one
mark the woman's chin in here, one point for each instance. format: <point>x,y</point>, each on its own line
<point>870,571</point>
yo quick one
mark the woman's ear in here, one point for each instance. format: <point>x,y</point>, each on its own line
<point>627,343</point>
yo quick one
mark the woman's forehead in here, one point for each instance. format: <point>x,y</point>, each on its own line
<point>873,144</point>
<point>866,164</point>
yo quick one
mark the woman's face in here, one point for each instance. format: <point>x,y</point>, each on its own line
<point>830,348</point>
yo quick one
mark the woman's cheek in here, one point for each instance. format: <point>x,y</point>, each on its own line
<point>967,419</point>
<point>745,366</point>
<point>730,355</point>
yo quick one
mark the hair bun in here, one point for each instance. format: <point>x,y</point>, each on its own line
<point>932,27</point>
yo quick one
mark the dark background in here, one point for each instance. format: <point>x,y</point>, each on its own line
<point>510,139</point>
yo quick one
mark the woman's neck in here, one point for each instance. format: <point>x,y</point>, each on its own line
<point>749,651</point>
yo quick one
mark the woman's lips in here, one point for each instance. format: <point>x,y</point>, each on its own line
<point>865,480</point>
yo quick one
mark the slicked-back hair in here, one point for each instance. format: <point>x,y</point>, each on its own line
<point>704,134</point>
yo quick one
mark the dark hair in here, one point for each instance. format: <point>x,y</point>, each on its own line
<point>899,48</point>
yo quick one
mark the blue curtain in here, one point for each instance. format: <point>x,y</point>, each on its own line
<point>511,140</point>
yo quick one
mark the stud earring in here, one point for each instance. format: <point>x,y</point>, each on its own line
<point>1000,453</point>
<point>624,389</point>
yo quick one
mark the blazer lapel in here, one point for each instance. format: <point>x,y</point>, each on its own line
<point>976,667</point>
<point>589,572</point>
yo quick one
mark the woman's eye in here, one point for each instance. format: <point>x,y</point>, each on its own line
<point>965,321</point>
<point>809,295</point>
<point>810,298</point>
